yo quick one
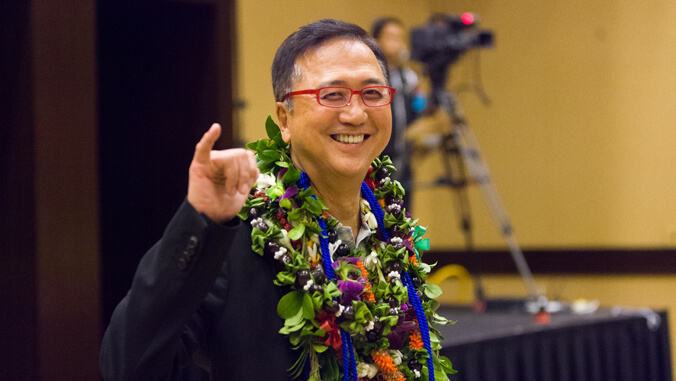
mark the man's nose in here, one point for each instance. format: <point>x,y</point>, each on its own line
<point>355,112</point>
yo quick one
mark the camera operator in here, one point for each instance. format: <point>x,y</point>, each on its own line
<point>408,101</point>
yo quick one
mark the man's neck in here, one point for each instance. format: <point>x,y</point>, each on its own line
<point>342,197</point>
<point>341,194</point>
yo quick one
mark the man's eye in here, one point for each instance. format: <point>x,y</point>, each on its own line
<point>332,96</point>
<point>373,93</point>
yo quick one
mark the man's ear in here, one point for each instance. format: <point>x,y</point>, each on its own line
<point>283,115</point>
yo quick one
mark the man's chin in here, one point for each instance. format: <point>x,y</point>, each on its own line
<point>355,169</point>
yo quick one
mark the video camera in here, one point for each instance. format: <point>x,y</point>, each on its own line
<point>444,39</point>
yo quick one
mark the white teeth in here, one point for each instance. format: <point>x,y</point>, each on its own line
<point>349,139</point>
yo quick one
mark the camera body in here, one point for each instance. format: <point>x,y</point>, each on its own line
<point>445,38</point>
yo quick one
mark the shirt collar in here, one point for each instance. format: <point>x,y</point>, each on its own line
<point>345,235</point>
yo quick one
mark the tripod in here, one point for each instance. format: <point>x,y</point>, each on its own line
<point>460,151</point>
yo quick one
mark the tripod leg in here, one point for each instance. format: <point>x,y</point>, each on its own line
<point>479,171</point>
<point>456,178</point>
<point>469,151</point>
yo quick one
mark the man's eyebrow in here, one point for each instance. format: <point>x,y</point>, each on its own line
<point>342,83</point>
<point>336,82</point>
<point>374,81</point>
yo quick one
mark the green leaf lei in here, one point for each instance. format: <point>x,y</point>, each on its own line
<point>367,299</point>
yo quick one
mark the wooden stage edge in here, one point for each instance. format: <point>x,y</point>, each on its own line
<point>562,261</point>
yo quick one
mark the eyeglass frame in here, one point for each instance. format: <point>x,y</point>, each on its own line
<point>352,92</point>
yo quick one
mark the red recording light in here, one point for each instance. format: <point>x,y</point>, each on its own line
<point>467,18</point>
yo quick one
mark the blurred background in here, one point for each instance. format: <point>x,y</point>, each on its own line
<point>101,103</point>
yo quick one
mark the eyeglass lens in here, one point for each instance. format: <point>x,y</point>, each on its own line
<point>340,96</point>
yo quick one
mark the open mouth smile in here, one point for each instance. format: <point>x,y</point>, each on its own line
<point>349,139</point>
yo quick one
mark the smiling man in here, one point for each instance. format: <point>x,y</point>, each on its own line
<point>314,280</point>
<point>334,133</point>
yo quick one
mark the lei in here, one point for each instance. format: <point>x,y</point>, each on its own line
<point>355,318</point>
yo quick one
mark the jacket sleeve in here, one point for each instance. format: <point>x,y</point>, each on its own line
<point>157,328</point>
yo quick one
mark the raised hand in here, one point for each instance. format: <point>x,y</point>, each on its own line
<point>219,181</point>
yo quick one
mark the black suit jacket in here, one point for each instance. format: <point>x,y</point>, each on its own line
<point>202,306</point>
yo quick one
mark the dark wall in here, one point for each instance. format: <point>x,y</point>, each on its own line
<point>157,95</point>
<point>49,221</point>
<point>101,104</point>
<point>17,238</point>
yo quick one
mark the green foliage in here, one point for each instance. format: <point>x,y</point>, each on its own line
<point>273,132</point>
<point>431,290</point>
<point>290,304</point>
<point>362,315</point>
<point>258,238</point>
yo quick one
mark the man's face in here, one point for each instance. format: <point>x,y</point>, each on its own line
<point>338,142</point>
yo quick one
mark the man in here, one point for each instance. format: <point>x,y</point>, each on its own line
<point>390,34</point>
<point>200,295</point>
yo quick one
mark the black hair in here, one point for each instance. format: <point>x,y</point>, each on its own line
<point>284,70</point>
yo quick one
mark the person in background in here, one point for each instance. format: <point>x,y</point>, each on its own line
<point>408,101</point>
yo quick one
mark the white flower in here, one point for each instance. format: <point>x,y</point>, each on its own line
<point>308,284</point>
<point>285,240</point>
<point>279,253</point>
<point>334,246</point>
<point>394,275</point>
<point>396,356</point>
<point>416,373</point>
<point>371,261</point>
<point>369,326</point>
<point>341,308</point>
<point>373,370</point>
<point>312,250</point>
<point>256,221</point>
<point>364,205</point>
<point>265,181</point>
<point>362,369</point>
<point>395,240</point>
<point>313,246</point>
<point>369,219</point>
<point>365,370</point>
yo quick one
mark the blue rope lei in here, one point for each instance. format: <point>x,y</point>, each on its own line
<point>350,366</point>
<point>422,320</point>
<point>412,294</point>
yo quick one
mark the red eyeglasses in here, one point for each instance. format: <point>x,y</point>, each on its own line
<point>336,97</point>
